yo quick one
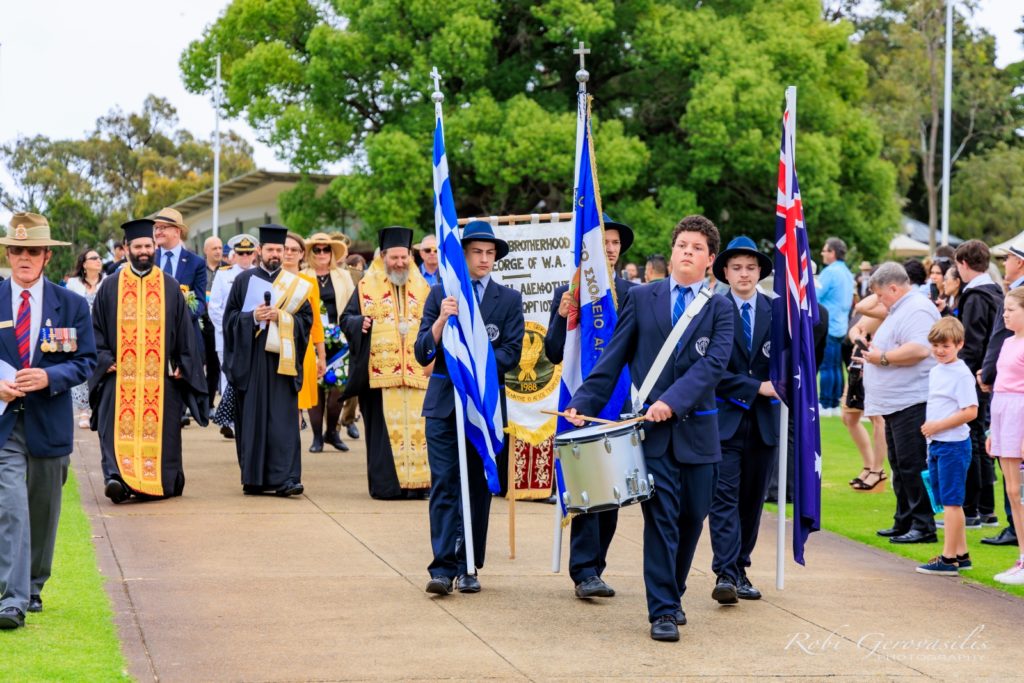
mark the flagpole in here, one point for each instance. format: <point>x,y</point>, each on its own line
<point>216,154</point>
<point>947,114</point>
<point>447,338</point>
<point>784,445</point>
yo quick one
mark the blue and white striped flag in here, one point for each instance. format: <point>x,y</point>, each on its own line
<point>467,349</point>
<point>593,284</point>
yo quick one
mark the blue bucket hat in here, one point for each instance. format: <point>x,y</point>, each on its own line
<point>741,245</point>
<point>481,231</point>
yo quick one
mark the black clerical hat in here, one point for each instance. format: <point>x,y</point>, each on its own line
<point>272,233</point>
<point>395,236</point>
<point>133,230</point>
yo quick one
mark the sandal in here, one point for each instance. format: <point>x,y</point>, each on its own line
<point>863,485</point>
<point>859,479</point>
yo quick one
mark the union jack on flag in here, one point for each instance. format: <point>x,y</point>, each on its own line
<point>794,315</point>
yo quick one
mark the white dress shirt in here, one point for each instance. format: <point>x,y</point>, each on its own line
<point>36,319</point>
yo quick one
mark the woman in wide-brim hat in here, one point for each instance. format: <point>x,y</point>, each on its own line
<point>335,287</point>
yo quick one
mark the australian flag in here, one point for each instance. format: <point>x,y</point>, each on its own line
<point>794,315</point>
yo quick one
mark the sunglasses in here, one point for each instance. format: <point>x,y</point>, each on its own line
<point>92,258</point>
<point>31,251</point>
<point>428,250</point>
<point>322,250</point>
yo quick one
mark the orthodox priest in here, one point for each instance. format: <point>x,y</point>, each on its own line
<point>267,322</point>
<point>380,323</point>
<point>149,369</point>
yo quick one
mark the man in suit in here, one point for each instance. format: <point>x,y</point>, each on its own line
<point>681,446</point>
<point>748,423</point>
<point>591,534</point>
<point>46,335</point>
<point>502,311</point>
<point>186,267</point>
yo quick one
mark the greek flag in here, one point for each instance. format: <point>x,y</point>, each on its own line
<point>467,349</point>
<point>593,285</point>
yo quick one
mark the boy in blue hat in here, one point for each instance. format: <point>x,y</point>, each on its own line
<point>748,422</point>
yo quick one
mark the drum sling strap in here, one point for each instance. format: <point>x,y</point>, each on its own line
<point>694,309</point>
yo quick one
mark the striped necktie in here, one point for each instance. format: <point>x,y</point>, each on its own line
<point>748,325</point>
<point>23,329</point>
<point>682,301</point>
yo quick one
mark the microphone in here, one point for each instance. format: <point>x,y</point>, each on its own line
<point>266,301</point>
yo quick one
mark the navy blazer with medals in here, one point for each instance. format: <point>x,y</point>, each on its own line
<point>737,392</point>
<point>48,413</point>
<point>502,311</point>
<point>687,383</point>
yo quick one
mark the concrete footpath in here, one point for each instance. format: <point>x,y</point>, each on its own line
<point>328,586</point>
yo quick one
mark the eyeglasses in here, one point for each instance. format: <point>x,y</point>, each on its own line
<point>292,250</point>
<point>31,251</point>
<point>322,250</point>
<point>428,250</point>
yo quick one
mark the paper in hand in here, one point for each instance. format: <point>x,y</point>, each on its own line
<point>254,294</point>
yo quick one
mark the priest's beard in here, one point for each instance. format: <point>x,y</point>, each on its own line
<point>398,277</point>
<point>142,263</point>
<point>272,264</point>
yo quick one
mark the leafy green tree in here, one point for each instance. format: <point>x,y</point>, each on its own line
<point>987,198</point>
<point>686,115</point>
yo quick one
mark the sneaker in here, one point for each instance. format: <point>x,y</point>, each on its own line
<point>989,520</point>
<point>1013,576</point>
<point>940,523</point>
<point>963,563</point>
<point>938,567</point>
<point>972,523</point>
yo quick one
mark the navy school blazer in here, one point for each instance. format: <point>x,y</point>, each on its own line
<point>687,383</point>
<point>502,311</point>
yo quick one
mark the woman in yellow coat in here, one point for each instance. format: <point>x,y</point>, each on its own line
<point>335,288</point>
<point>315,363</point>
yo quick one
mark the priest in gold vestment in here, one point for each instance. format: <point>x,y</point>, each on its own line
<point>149,367</point>
<point>380,323</point>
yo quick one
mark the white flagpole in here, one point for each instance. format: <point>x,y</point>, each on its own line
<point>216,154</point>
<point>780,544</point>
<point>460,424</point>
<point>947,115</point>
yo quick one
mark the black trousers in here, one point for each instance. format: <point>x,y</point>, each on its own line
<point>735,515</point>
<point>979,494</point>
<point>908,457</point>
<point>589,538</point>
<point>212,360</point>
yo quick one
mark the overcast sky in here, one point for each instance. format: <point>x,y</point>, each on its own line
<point>65,63</point>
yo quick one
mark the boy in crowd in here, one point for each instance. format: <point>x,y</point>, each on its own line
<point>952,403</point>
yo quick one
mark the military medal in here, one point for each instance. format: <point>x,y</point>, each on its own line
<point>67,340</point>
<point>45,345</point>
<point>74,339</point>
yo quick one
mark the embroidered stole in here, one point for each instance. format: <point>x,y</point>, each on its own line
<point>140,380</point>
<point>290,292</point>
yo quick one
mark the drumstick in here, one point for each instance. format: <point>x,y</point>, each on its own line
<point>638,418</point>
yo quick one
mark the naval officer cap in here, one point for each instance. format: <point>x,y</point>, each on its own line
<point>243,244</point>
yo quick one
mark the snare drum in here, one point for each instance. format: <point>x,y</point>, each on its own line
<point>603,467</point>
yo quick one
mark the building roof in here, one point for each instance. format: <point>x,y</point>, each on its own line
<point>243,184</point>
<point>919,232</point>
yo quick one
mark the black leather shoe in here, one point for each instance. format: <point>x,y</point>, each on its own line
<point>227,432</point>
<point>467,583</point>
<point>116,491</point>
<point>680,617</point>
<point>745,591</point>
<point>353,431</point>
<point>664,629</point>
<point>35,603</point>
<point>439,585</point>
<point>891,531</point>
<point>725,592</point>
<point>185,421</point>
<point>914,536</point>
<point>291,488</point>
<point>317,446</point>
<point>335,440</point>
<point>1004,537</point>
<point>252,489</point>
<point>594,587</point>
<point>11,617</point>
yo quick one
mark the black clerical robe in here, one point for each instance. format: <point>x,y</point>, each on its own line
<point>182,352</point>
<point>267,404</point>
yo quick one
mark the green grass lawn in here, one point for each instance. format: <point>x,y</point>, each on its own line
<point>74,638</point>
<point>857,515</point>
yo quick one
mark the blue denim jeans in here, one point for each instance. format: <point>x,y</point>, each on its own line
<point>830,389</point>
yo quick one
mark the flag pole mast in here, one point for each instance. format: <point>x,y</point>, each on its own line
<point>784,444</point>
<point>216,153</point>
<point>460,423</point>
<point>582,76</point>
<point>947,113</point>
